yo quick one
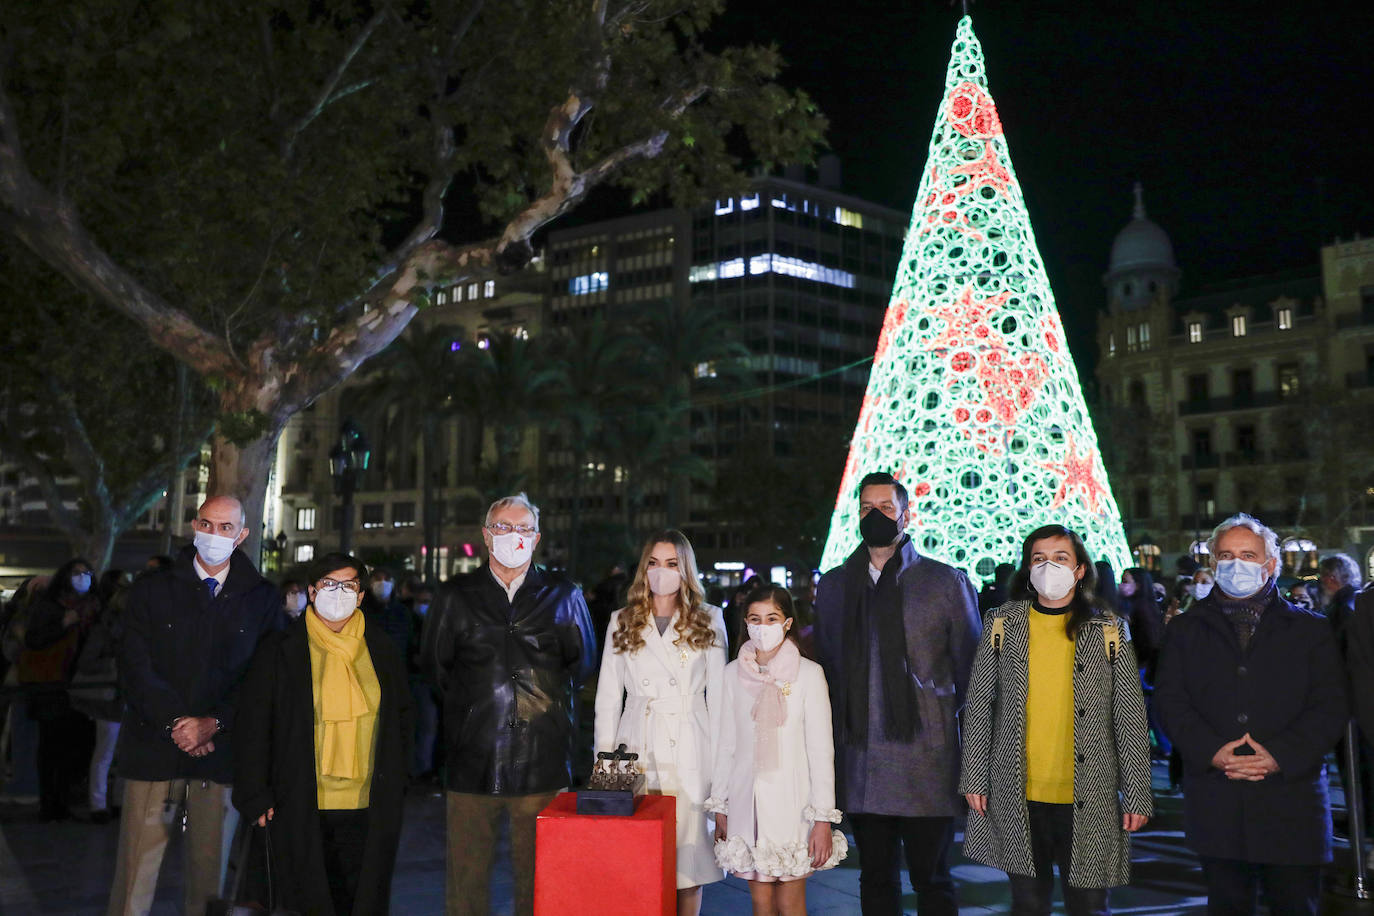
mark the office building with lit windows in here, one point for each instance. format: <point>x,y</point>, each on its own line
<point>802,272</point>
<point>1252,395</point>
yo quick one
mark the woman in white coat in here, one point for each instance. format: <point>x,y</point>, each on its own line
<point>659,695</point>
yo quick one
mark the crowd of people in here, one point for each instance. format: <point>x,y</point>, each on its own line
<point>894,699</point>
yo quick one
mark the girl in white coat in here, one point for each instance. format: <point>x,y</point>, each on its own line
<point>659,695</point>
<point>775,759</point>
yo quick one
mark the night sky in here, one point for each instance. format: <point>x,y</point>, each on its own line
<point>1251,126</point>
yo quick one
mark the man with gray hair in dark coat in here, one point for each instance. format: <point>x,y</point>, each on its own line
<point>896,633</point>
<point>1251,690</point>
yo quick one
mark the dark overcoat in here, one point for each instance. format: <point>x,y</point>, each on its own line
<point>507,672</point>
<point>274,767</point>
<point>1111,742</point>
<point>181,653</point>
<point>1287,690</point>
<point>918,778</point>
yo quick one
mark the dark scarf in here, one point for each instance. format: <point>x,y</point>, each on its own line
<point>1243,614</point>
<point>874,611</point>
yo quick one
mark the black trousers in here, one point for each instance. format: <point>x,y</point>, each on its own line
<point>1233,887</point>
<point>1051,834</point>
<point>64,748</point>
<point>344,836</point>
<point>881,839</point>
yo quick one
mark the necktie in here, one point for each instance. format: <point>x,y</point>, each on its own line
<point>211,583</point>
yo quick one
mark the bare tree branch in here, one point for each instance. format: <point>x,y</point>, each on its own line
<point>326,94</point>
<point>54,232</point>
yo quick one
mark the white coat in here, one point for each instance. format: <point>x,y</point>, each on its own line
<point>770,815</point>
<point>663,703</point>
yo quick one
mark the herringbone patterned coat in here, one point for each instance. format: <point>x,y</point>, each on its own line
<point>1111,742</point>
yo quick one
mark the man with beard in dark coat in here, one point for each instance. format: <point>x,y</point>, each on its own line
<point>1251,690</point>
<point>896,633</point>
<point>506,647</point>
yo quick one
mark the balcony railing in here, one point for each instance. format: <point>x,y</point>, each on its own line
<point>1248,401</point>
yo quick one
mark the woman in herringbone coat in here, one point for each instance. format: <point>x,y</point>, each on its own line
<point>1056,758</point>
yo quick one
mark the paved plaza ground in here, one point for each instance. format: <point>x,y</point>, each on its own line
<point>65,868</point>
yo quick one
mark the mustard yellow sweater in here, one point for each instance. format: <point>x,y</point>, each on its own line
<point>1049,710</point>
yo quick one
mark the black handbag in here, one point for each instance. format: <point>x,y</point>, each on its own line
<point>230,905</point>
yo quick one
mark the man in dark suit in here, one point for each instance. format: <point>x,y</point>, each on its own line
<point>506,647</point>
<point>896,633</point>
<point>188,635</point>
<point>1251,690</point>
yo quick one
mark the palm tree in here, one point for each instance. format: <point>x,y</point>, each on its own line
<point>412,384</point>
<point>601,384</point>
<point>509,380</point>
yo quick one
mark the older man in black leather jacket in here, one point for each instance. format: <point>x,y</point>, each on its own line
<point>506,646</point>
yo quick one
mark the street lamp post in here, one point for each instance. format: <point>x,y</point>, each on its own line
<point>348,459</point>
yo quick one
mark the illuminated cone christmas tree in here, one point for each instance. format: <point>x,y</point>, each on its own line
<point>973,401</point>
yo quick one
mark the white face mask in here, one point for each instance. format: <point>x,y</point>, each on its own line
<point>214,549</point>
<point>512,550</point>
<point>766,636</point>
<point>1051,580</point>
<point>336,604</point>
<point>382,590</point>
<point>1241,578</point>
<point>664,581</point>
<point>295,603</point>
<point>81,583</point>
<point>1126,589</point>
<point>1200,590</point>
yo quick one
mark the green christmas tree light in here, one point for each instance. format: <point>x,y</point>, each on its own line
<point>973,401</point>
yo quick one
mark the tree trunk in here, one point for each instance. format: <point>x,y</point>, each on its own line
<point>430,521</point>
<point>96,543</point>
<point>241,471</point>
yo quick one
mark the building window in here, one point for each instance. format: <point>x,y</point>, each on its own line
<point>1132,338</point>
<point>403,515</point>
<point>305,553</point>
<point>1205,500</point>
<point>1289,385</point>
<point>1195,332</point>
<point>1142,502</point>
<point>305,518</point>
<point>1111,344</point>
<point>373,515</point>
<point>587,283</point>
<point>458,294</point>
<point>472,290</point>
<point>1243,387</point>
<point>1246,440</point>
<point>1144,335</point>
<point>1285,319</point>
<point>489,289</point>
<point>1197,387</point>
<point>1202,443</point>
<point>1237,325</point>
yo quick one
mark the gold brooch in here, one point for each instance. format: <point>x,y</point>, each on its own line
<point>785,688</point>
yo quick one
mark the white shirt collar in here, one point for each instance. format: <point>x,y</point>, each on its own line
<point>515,583</point>
<point>874,573</point>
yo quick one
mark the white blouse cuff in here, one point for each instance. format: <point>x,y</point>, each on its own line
<point>718,805</point>
<point>833,815</point>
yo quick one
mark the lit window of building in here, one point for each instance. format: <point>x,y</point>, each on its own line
<point>489,289</point>
<point>1132,338</point>
<point>305,518</point>
<point>589,283</point>
<point>374,515</point>
<point>472,290</point>
<point>1237,325</point>
<point>1195,332</point>
<point>305,553</point>
<point>1111,344</point>
<point>1285,319</point>
<point>1144,335</point>
<point>403,515</point>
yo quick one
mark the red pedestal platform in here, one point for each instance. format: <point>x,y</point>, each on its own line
<point>589,865</point>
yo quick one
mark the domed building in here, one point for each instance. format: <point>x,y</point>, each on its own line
<point>1142,263</point>
<point>1206,401</point>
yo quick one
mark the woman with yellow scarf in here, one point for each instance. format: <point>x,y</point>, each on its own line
<point>323,722</point>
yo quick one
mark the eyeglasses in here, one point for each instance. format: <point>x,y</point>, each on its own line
<point>503,528</point>
<point>329,585</point>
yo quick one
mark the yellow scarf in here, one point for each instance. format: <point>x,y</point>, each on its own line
<point>341,700</point>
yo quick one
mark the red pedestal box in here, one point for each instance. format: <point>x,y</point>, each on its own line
<point>589,865</point>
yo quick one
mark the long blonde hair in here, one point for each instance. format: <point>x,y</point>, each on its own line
<point>693,620</point>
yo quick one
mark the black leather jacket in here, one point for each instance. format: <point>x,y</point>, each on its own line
<point>508,672</point>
